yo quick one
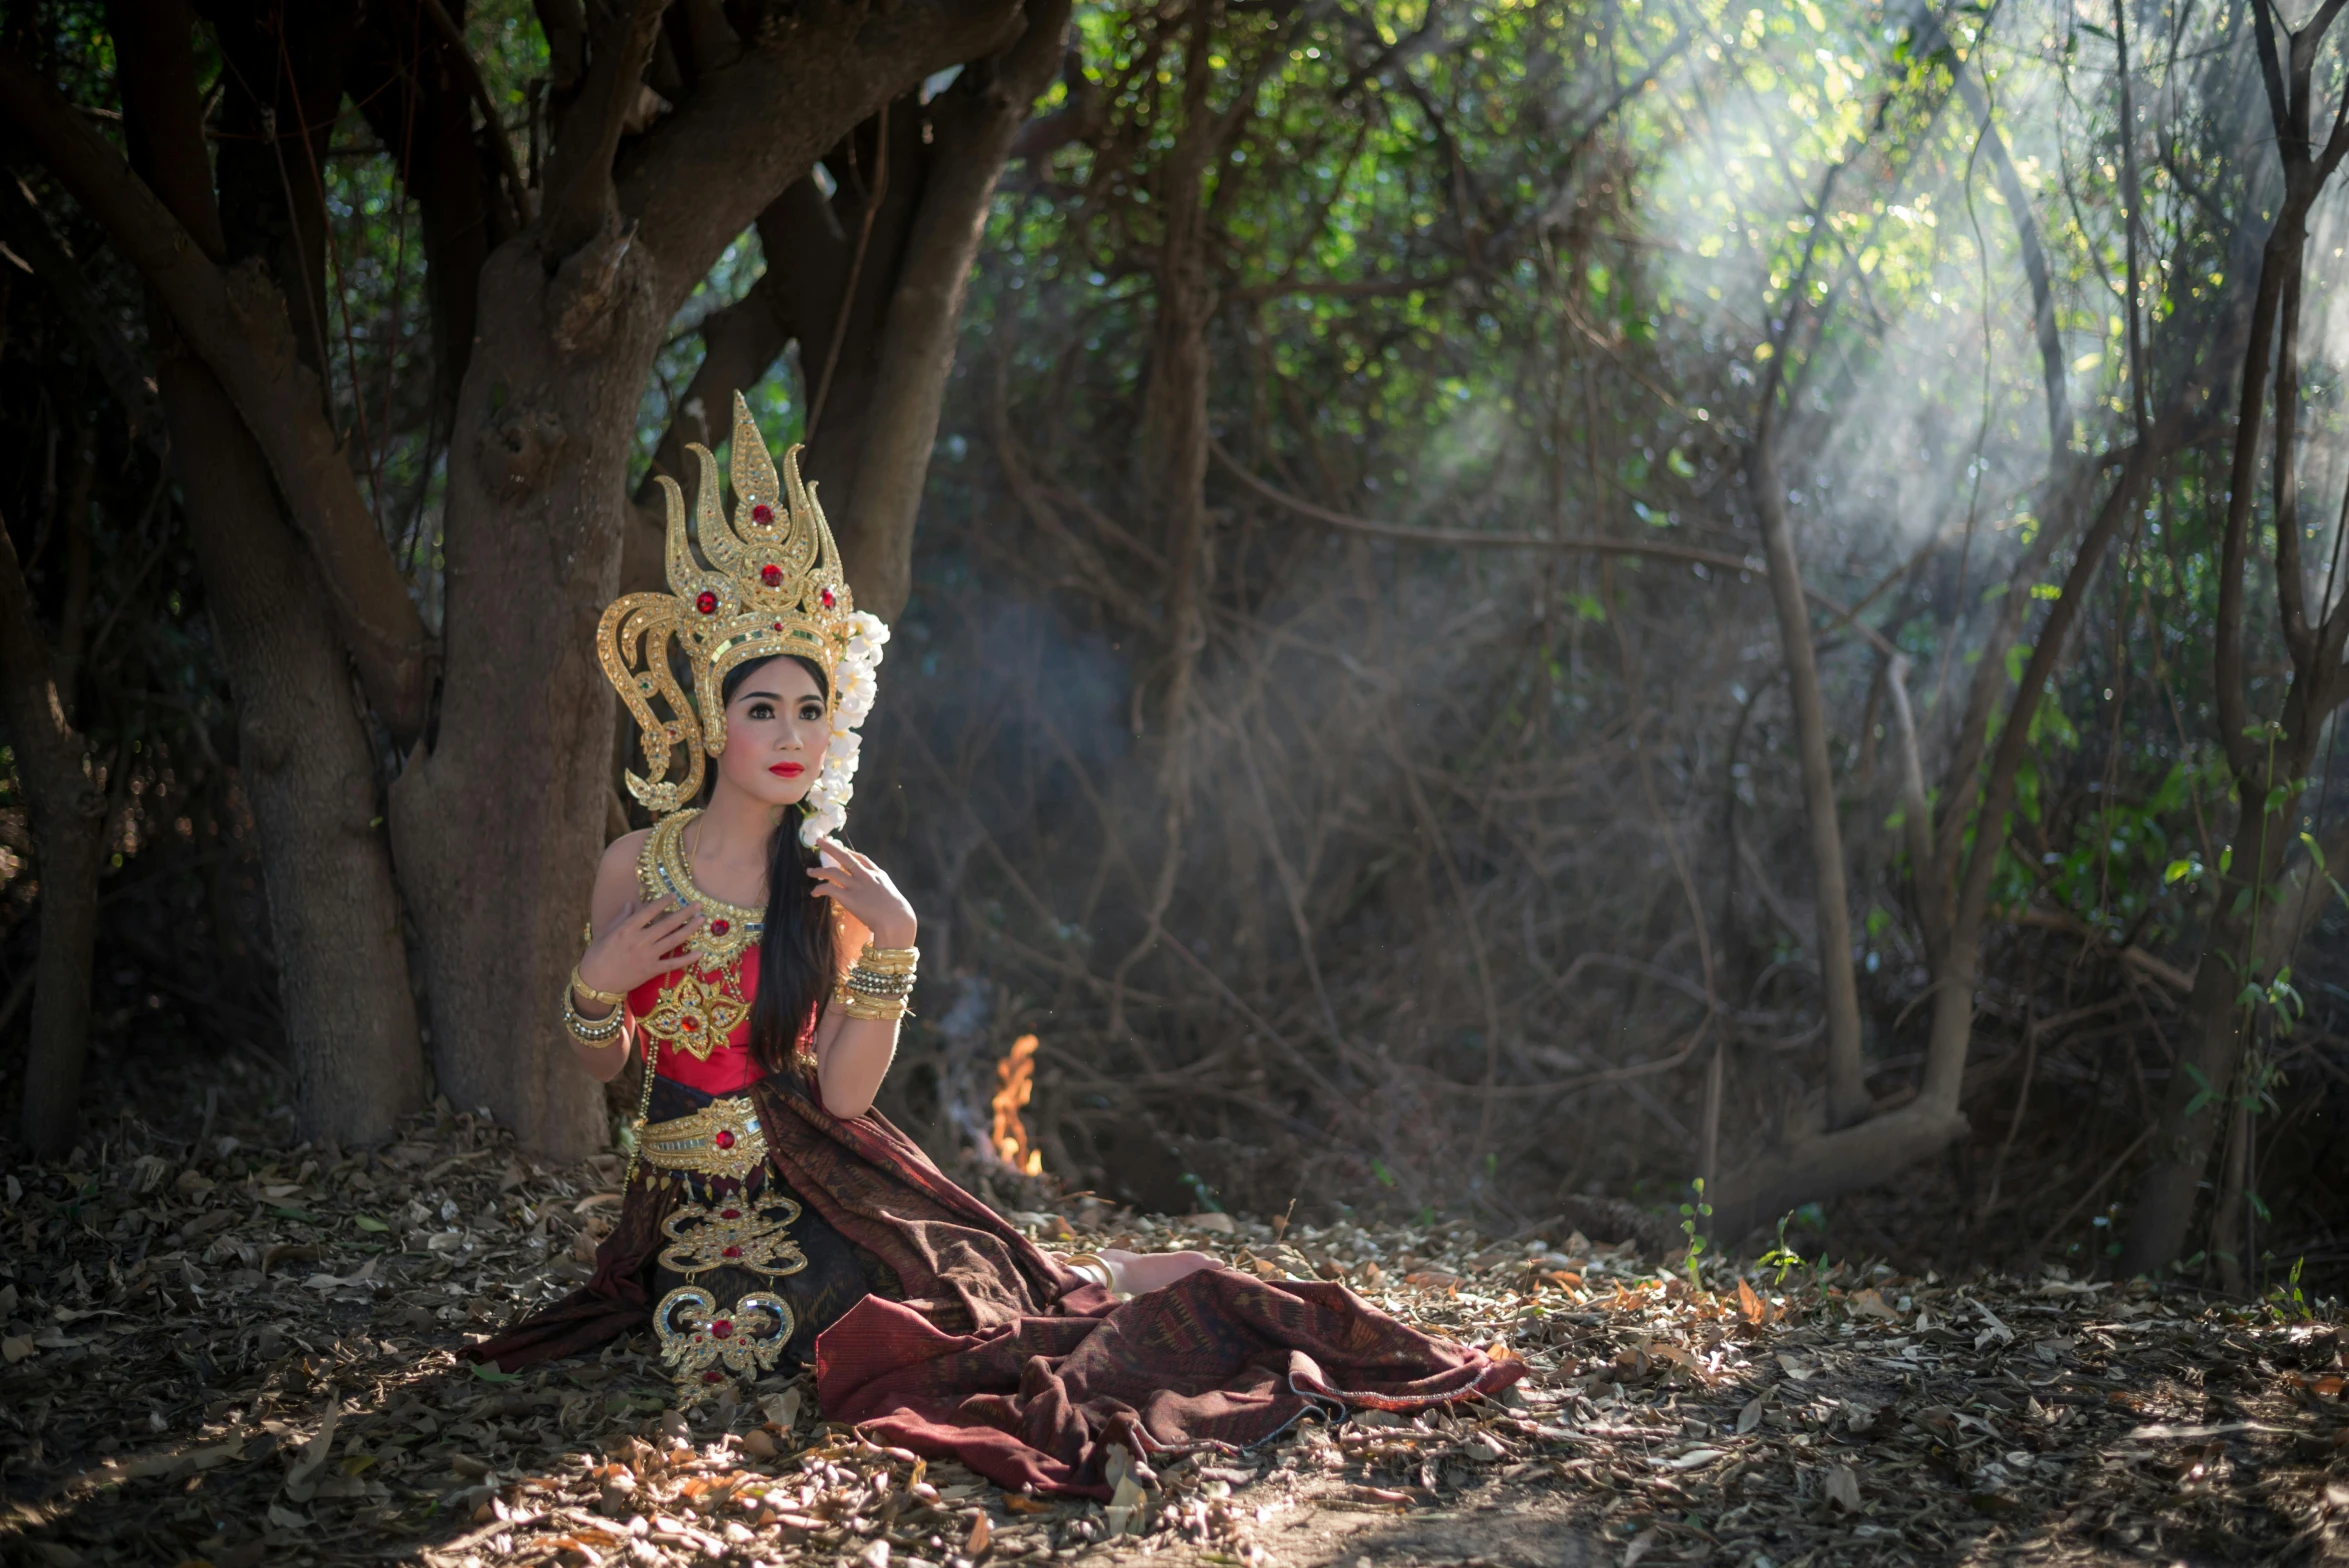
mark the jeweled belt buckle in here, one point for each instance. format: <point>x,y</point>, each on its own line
<point>721,1139</point>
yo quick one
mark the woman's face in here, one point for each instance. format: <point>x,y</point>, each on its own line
<point>776,733</point>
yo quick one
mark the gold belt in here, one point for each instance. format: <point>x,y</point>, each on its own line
<point>720,1139</point>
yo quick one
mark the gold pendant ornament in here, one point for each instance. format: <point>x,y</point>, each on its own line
<point>697,1012</point>
<point>739,1233</point>
<point>701,1345</point>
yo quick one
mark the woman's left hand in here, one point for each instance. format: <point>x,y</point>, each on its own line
<point>863,889</point>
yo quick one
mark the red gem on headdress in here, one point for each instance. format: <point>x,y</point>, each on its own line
<point>707,602</point>
<point>762,513</point>
<point>723,1328</point>
<point>713,1376</point>
<point>771,575</point>
<point>720,927</point>
<point>828,601</point>
<point>731,1252</point>
<point>724,1139</point>
<point>729,1214</point>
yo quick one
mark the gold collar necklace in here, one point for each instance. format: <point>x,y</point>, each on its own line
<point>662,872</point>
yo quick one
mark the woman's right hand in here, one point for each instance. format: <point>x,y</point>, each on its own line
<point>638,945</point>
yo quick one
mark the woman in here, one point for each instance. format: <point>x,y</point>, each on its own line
<point>770,1216</point>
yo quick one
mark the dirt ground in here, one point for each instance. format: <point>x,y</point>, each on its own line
<point>223,1348</point>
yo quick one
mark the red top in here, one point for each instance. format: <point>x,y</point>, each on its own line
<point>729,1069</point>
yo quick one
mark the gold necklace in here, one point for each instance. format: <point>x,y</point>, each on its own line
<point>663,873</point>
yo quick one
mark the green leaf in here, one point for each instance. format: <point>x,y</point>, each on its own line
<point>489,1374</point>
<point>2178,871</point>
<point>368,1222</point>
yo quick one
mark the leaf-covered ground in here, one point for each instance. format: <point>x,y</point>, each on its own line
<point>241,1352</point>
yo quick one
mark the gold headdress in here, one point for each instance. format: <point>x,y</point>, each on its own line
<point>773,586</point>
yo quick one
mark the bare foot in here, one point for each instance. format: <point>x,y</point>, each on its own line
<point>1137,1272</point>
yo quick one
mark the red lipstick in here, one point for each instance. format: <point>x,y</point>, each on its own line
<point>787,770</point>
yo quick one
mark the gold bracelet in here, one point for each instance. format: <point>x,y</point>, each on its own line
<point>857,1005</point>
<point>889,960</point>
<point>865,982</point>
<point>608,998</point>
<point>592,1032</point>
<point>594,1041</point>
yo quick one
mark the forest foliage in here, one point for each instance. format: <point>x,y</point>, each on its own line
<point>1480,573</point>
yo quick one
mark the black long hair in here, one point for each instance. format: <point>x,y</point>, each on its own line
<point>796,956</point>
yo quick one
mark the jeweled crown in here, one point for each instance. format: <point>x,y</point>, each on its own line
<point>773,586</point>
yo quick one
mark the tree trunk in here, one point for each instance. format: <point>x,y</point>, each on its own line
<point>1171,479</point>
<point>303,749</point>
<point>68,811</point>
<point>499,826</point>
<point>2212,1032</point>
<point>975,122</point>
<point>305,762</point>
<point>1847,1090</point>
<point>1841,1160</point>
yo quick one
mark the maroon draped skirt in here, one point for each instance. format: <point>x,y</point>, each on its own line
<point>999,1356</point>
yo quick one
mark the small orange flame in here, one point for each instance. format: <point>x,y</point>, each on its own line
<point>1017,1075</point>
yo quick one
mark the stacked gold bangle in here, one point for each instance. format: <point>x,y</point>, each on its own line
<point>592,1031</point>
<point>879,983</point>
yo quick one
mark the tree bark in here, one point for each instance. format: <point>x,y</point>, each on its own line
<point>68,820</point>
<point>305,762</point>
<point>499,825</point>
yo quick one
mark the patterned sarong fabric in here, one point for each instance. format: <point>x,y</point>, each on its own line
<point>980,1346</point>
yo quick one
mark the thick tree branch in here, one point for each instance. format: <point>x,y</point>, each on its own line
<point>237,321</point>
<point>767,117</point>
<point>578,193</point>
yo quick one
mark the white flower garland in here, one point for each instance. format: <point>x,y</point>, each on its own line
<point>826,810</point>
